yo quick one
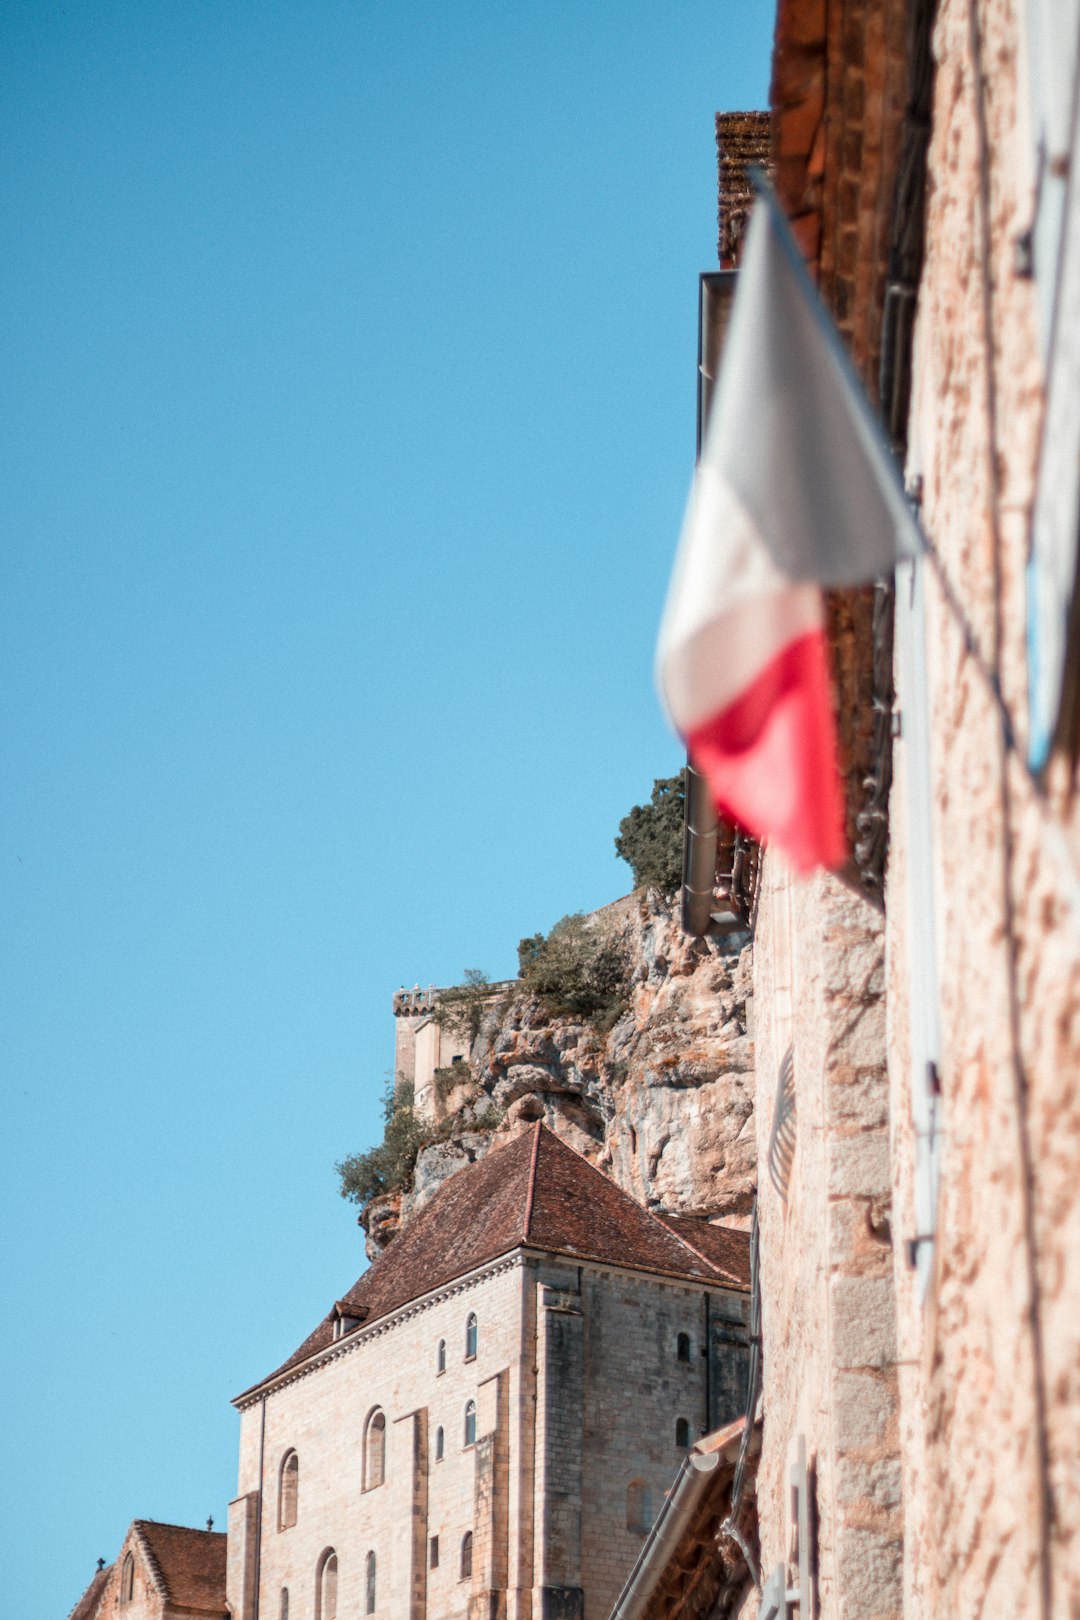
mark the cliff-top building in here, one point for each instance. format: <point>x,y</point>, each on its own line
<point>486,1422</point>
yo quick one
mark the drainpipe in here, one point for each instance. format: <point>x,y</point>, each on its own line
<point>708,1368</point>
<point>691,1484</point>
<point>700,834</point>
<point>259,1508</point>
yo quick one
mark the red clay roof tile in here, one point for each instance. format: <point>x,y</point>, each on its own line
<point>535,1192</point>
<point>726,1247</point>
<point>87,1606</point>
<point>190,1564</point>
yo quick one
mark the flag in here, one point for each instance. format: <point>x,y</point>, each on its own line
<point>795,488</point>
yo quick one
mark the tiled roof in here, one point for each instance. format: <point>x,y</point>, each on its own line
<point>536,1191</point>
<point>189,1564</point>
<point>725,1246</point>
<point>87,1606</point>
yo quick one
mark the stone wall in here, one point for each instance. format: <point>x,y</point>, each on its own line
<point>147,1599</point>
<point>991,1376</point>
<point>635,1390</point>
<point>826,1274</point>
<point>322,1416</point>
<point>578,1387</point>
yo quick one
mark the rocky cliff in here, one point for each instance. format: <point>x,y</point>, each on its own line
<point>663,1101</point>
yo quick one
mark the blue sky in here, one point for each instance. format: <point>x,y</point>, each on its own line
<point>348,414</point>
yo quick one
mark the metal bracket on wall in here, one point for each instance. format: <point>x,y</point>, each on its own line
<point>779,1598</point>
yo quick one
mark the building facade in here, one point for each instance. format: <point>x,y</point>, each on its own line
<point>486,1423</point>
<point>162,1572</point>
<point>916,1033</point>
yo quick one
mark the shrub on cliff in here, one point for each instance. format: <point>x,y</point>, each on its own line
<point>461,1009</point>
<point>388,1166</point>
<point>580,970</point>
<point>650,837</point>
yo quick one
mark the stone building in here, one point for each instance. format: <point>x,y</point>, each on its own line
<point>423,1044</point>
<point>162,1572</point>
<point>486,1422</point>
<point>917,1038</point>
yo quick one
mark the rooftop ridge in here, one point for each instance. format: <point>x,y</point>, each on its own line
<point>531,1194</point>
<point>516,1196</point>
<point>157,1574</point>
<point>86,1607</point>
<point>186,1565</point>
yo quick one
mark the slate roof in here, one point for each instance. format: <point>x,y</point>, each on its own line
<point>189,1564</point>
<point>87,1606</point>
<point>535,1192</point>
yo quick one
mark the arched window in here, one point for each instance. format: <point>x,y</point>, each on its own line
<point>375,1450</point>
<point>326,1586</point>
<point>440,1443</point>
<point>440,1357</point>
<point>466,1556</point>
<point>470,1336</point>
<point>284,1612</point>
<point>127,1580</point>
<point>288,1486</point>
<point>470,1423</point>
<point>683,1347</point>
<point>638,1506</point>
<point>369,1584</point>
<point>682,1433</point>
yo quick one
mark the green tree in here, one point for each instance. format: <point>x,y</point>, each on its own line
<point>388,1166</point>
<point>580,970</point>
<point>462,1008</point>
<point>650,837</point>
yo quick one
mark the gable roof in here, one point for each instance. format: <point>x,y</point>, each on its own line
<point>188,1565</point>
<point>88,1604</point>
<point>726,1247</point>
<point>536,1192</point>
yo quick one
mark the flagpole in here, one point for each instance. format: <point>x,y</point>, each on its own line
<point>1056,841</point>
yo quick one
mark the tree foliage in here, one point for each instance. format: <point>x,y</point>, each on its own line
<point>384,1168</point>
<point>650,837</point>
<point>462,1008</point>
<point>580,970</point>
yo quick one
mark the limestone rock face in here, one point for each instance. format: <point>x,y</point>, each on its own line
<point>663,1102</point>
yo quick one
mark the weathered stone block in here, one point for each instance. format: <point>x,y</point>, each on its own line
<point>863,1410</point>
<point>873,1482</point>
<point>872,1573</point>
<point>863,1321</point>
<point>859,1164</point>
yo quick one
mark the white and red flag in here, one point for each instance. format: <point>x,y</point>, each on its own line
<point>795,488</point>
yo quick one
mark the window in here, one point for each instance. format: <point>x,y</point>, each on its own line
<point>440,1357</point>
<point>369,1584</point>
<point>433,1553</point>
<point>470,1423</point>
<point>466,1556</point>
<point>440,1442</point>
<point>284,1610</point>
<point>288,1487</point>
<point>326,1586</point>
<point>638,1506</point>
<point>682,1433</point>
<point>375,1450</point>
<point>127,1580</point>
<point>683,1347</point>
<point>470,1336</point>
